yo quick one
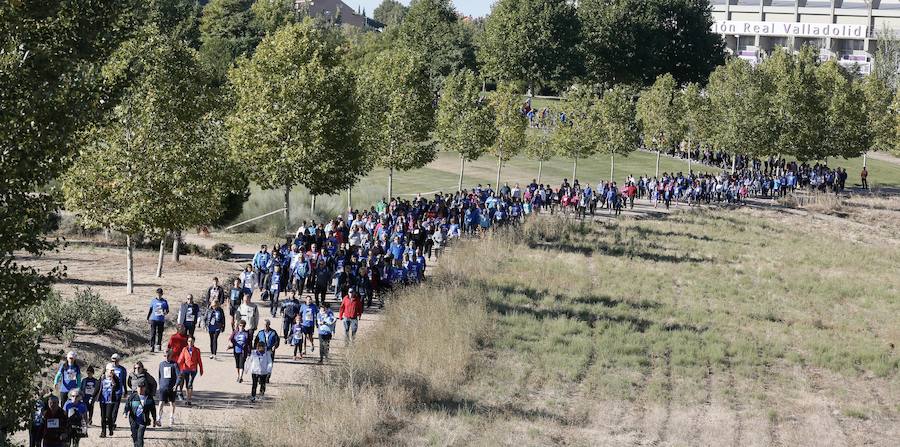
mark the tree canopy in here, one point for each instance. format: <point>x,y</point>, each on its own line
<point>658,114</point>
<point>534,41</point>
<point>635,41</point>
<point>390,12</point>
<point>227,32</point>
<point>432,29</point>
<point>465,122</point>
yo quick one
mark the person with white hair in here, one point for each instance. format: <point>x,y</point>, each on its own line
<point>68,376</point>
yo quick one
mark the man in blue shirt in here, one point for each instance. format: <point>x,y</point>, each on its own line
<point>261,264</point>
<point>156,316</point>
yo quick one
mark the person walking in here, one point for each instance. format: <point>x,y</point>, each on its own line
<point>138,372</point>
<point>289,311</point>
<point>156,316</point>
<point>350,312</point>
<point>188,315</point>
<point>269,337</point>
<point>168,377</point>
<point>308,313</point>
<point>141,411</point>
<point>215,292</point>
<point>189,363</point>
<point>234,301</point>
<point>240,342</point>
<point>326,322</point>
<point>260,366</point>
<point>864,177</point>
<point>53,428</point>
<point>215,324</point>
<point>90,387</point>
<point>109,397</point>
<point>68,376</point>
<point>249,313</point>
<point>76,418</point>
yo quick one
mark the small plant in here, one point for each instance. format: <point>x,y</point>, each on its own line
<point>856,414</point>
<point>95,311</point>
<point>221,251</point>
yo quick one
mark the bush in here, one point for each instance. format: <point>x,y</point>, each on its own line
<point>221,251</point>
<point>95,311</point>
<point>55,315</point>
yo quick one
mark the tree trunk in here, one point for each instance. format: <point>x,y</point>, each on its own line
<point>657,163</point>
<point>462,169</point>
<point>574,169</point>
<point>390,184</point>
<point>612,167</point>
<point>350,199</point>
<point>176,246</point>
<point>129,264</point>
<point>312,207</point>
<point>499,167</point>
<point>540,170</point>
<point>865,156</point>
<point>689,165</point>
<point>162,253</point>
<point>733,163</point>
<point>287,208</point>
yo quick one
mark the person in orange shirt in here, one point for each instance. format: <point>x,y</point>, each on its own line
<point>189,363</point>
<point>177,343</point>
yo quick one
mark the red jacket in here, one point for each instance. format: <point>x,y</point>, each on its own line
<point>351,307</point>
<point>177,342</point>
<point>190,360</point>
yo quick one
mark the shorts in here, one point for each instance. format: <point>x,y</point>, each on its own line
<point>239,359</point>
<point>188,378</point>
<point>166,396</point>
<point>308,330</point>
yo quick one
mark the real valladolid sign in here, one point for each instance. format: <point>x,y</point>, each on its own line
<point>791,29</point>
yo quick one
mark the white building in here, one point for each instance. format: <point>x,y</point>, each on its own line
<point>844,30</point>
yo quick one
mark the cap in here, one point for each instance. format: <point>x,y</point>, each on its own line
<point>71,355</point>
<point>353,289</point>
<point>115,357</point>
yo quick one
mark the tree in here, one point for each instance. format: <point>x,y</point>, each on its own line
<point>539,144</point>
<point>270,15</point>
<point>295,117</point>
<point>152,166</point>
<point>845,125</point>
<point>390,12</point>
<point>635,41</point>
<point>397,113</point>
<point>796,104</point>
<point>881,116</point>
<point>577,136</point>
<point>694,118</point>
<point>48,50</point>
<point>227,32</point>
<point>658,115</point>
<point>510,125</point>
<point>740,99</point>
<point>177,18</point>
<point>534,41</point>
<point>886,60</point>
<point>433,30</point>
<point>465,123</point>
<point>618,133</point>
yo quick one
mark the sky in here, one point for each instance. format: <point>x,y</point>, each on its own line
<point>476,8</point>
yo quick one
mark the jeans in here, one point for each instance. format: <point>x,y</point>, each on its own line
<point>156,333</point>
<point>350,326</point>
<point>260,379</point>
<point>137,432</point>
<point>214,342</point>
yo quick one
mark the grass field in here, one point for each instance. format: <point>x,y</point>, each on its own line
<point>772,326</point>
<point>443,175</point>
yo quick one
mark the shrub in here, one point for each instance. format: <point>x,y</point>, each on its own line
<point>55,315</point>
<point>221,251</point>
<point>95,311</point>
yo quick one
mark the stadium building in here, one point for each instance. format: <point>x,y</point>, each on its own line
<point>843,30</point>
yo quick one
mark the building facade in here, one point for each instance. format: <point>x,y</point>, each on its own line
<point>842,30</point>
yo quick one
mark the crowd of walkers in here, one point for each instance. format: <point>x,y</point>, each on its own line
<point>352,262</point>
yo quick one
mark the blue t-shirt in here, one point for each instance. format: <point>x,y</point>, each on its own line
<point>308,314</point>
<point>240,339</point>
<point>70,377</point>
<point>158,309</point>
<point>108,390</point>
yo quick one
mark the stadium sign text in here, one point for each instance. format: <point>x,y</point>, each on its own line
<point>791,29</point>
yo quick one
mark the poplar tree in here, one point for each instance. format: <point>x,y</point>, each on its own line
<point>465,122</point>
<point>578,136</point>
<point>510,125</point>
<point>658,116</point>
<point>618,133</point>
<point>397,112</point>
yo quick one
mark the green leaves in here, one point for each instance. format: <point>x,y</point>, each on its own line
<point>658,114</point>
<point>534,41</point>
<point>295,119</point>
<point>579,136</point>
<point>397,112</point>
<point>618,129</point>
<point>465,122</point>
<point>509,122</point>
<point>740,99</point>
<point>432,29</point>
<point>635,41</point>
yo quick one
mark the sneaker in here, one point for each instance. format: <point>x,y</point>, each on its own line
<point>212,357</point>
<point>102,435</point>
<point>252,400</point>
<point>171,420</point>
<point>189,403</point>
<point>312,349</point>
<point>241,380</point>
